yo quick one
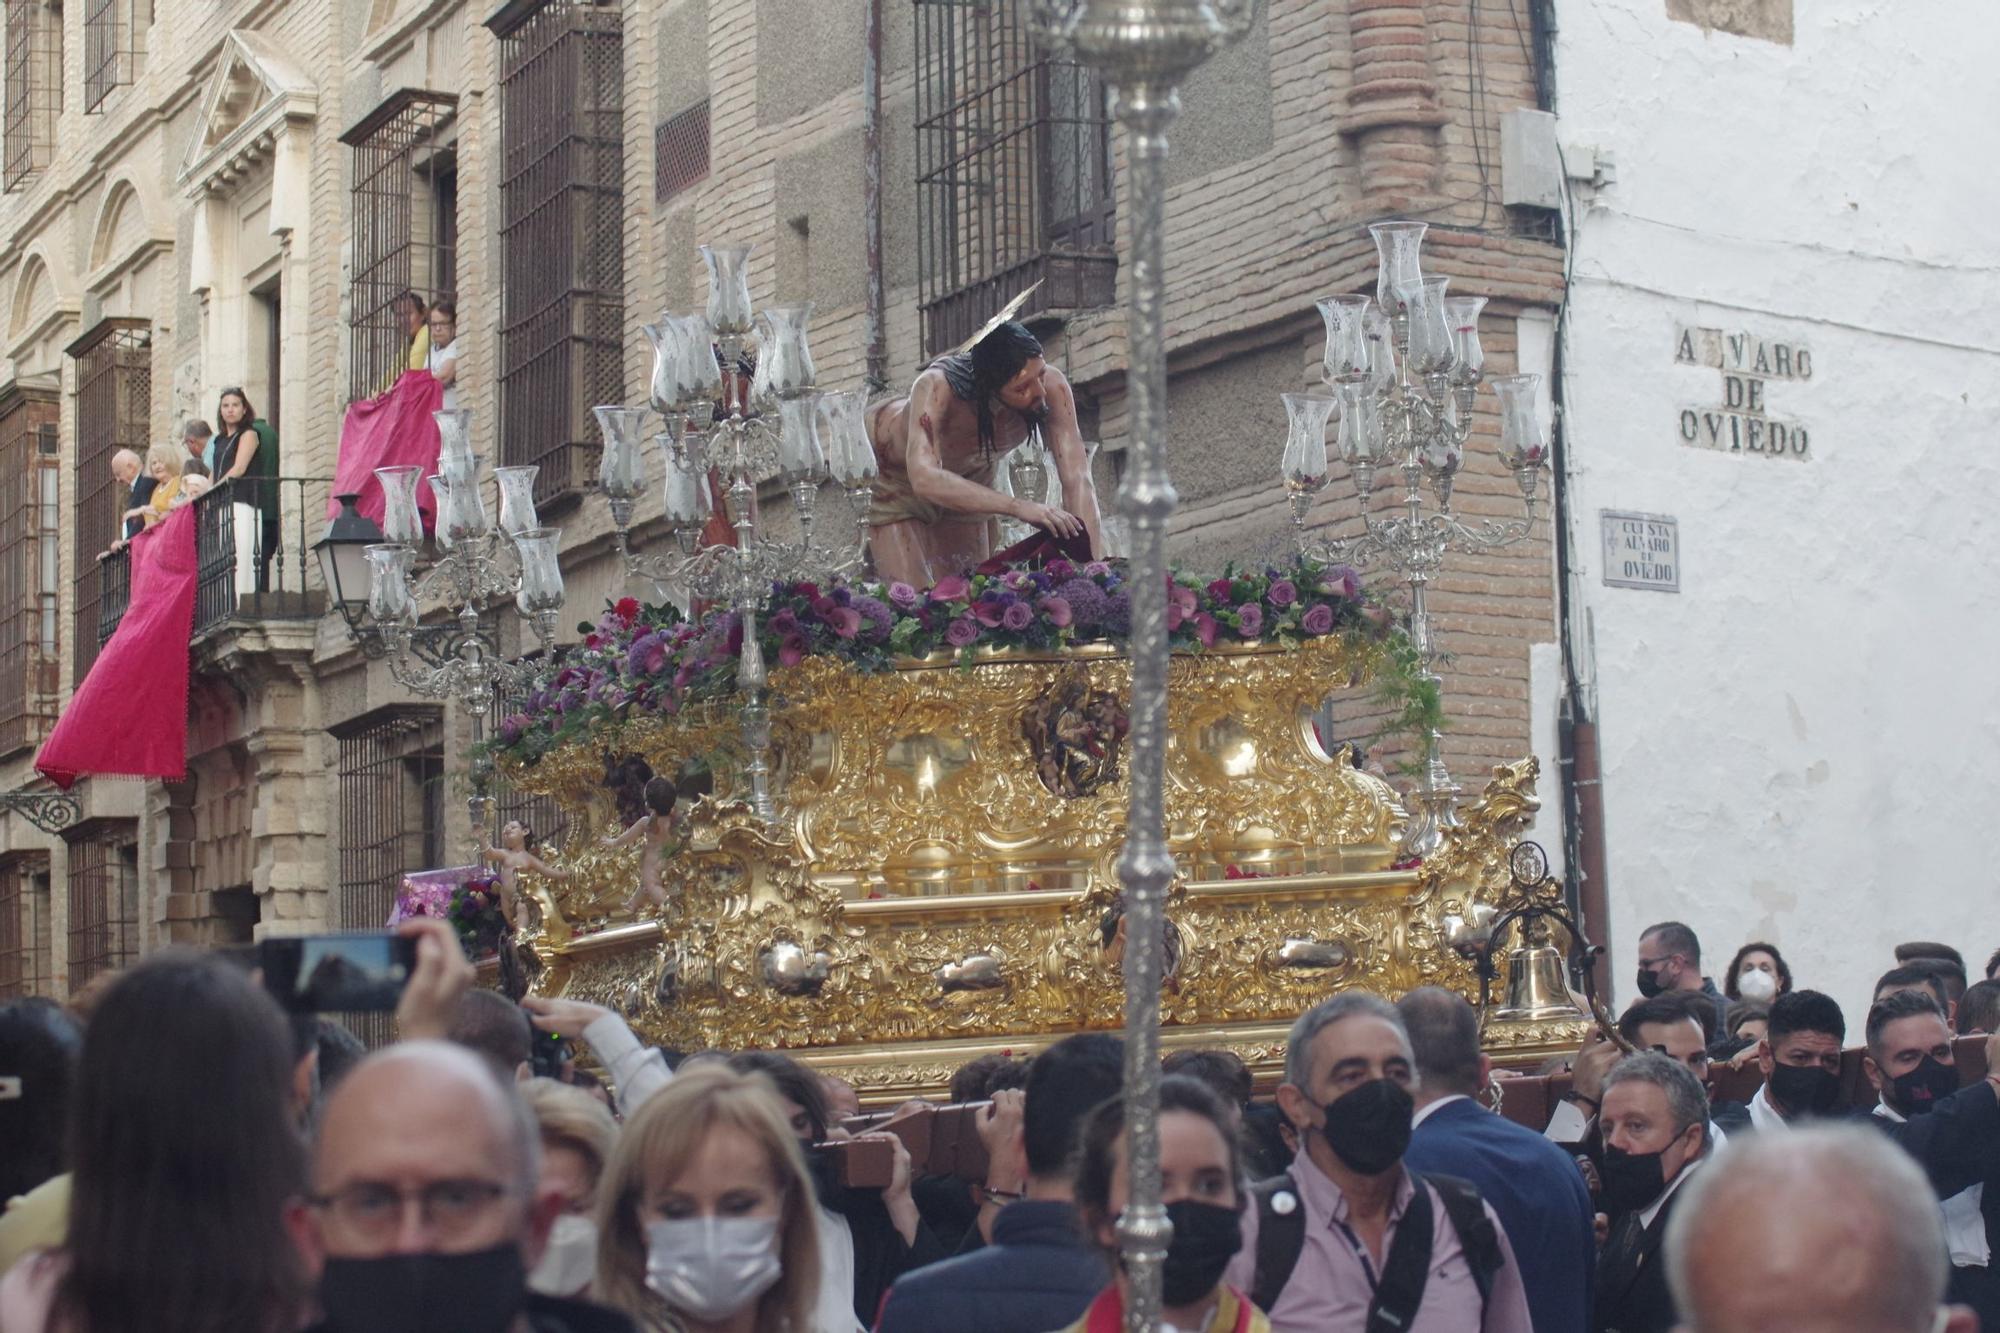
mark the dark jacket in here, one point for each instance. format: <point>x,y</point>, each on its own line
<point>550,1314</point>
<point>1039,1273</point>
<point>880,1253</point>
<point>142,492</point>
<point>1538,1193</point>
<point>1632,1295</point>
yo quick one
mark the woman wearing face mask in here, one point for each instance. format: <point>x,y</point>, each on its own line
<point>1200,1165</point>
<point>705,1215</point>
<point>1758,972</point>
<point>578,1138</point>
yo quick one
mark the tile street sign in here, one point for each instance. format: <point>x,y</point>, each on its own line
<point>1641,551</point>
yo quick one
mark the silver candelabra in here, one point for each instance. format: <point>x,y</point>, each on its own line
<point>1406,367</point>
<point>1144,49</point>
<point>714,423</point>
<point>476,562</point>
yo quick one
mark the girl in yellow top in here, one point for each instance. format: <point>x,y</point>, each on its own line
<point>163,465</point>
<point>1201,1173</point>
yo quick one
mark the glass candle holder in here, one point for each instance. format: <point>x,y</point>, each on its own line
<point>1400,274</point>
<point>517,499</point>
<point>728,289</point>
<point>1461,314</point>
<point>1346,357</point>
<point>1304,467</point>
<point>620,470</point>
<point>402,521</point>
<point>389,599</point>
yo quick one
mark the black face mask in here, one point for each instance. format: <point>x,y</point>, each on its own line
<point>1206,1237</point>
<point>1650,985</point>
<point>1916,1092</point>
<point>1804,1089</point>
<point>1629,1181</point>
<point>1369,1128</point>
<point>481,1292</point>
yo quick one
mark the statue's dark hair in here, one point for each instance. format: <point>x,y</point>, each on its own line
<point>977,376</point>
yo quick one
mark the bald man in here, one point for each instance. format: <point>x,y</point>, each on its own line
<point>425,1213</point>
<point>1827,1229</point>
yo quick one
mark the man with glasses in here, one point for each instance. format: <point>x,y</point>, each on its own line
<point>424,1213</point>
<point>1670,960</point>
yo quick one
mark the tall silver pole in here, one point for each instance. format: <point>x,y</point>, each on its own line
<point>1144,48</point>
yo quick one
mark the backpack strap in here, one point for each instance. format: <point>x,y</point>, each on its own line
<point>1406,1269</point>
<point>1281,1237</point>
<point>1469,1218</point>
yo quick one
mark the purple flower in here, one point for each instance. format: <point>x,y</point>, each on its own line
<point>903,596</point>
<point>510,729</point>
<point>1342,581</point>
<point>1058,611</point>
<point>1282,593</point>
<point>844,621</point>
<point>876,617</point>
<point>1249,620</point>
<point>951,588</point>
<point>1318,619</point>
<point>792,650</point>
<point>647,657</point>
<point>1086,602</point>
<point>1118,614</point>
<point>1096,569</point>
<point>962,632</point>
<point>783,623</point>
<point>1060,569</point>
<point>1016,580</point>
<point>1018,617</point>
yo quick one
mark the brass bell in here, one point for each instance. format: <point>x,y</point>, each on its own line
<point>1536,988</point>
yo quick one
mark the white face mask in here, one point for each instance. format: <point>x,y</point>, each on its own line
<point>570,1260</point>
<point>1756,984</point>
<point>711,1267</point>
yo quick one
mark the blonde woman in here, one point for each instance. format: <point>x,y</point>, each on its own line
<point>163,465</point>
<point>705,1216</point>
<point>578,1138</point>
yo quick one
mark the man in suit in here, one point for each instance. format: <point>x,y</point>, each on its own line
<point>1655,1125</point>
<point>1828,1229</point>
<point>1912,1066</point>
<point>1039,1272</point>
<point>1533,1186</point>
<point>127,471</point>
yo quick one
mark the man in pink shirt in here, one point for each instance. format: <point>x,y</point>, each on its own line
<point>1349,1239</point>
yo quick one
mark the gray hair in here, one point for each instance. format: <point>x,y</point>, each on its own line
<point>513,1122</point>
<point>1833,1170</point>
<point>195,428</point>
<point>1687,1100</point>
<point>1347,1004</point>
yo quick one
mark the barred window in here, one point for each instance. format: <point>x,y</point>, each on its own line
<point>30,480</point>
<point>24,925</point>
<point>114,394</point>
<point>680,152</point>
<point>405,228</point>
<point>561,233</point>
<point>392,794</point>
<point>1014,180</point>
<point>34,87</point>
<point>112,47</point>
<point>103,898</point>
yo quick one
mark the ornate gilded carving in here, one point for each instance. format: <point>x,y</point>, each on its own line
<point>924,896</point>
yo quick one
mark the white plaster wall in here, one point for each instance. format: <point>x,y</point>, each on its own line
<point>1804,744</point>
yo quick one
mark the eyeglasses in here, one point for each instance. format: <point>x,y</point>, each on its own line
<point>448,1207</point>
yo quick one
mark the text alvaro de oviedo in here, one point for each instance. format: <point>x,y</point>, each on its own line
<point>1740,424</point>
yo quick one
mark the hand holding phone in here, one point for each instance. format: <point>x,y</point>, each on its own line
<point>356,972</point>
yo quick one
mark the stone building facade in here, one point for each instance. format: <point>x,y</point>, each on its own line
<point>233,192</point>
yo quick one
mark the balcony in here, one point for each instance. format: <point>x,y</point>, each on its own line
<point>251,557</point>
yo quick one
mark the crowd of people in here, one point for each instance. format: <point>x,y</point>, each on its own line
<point>182,1154</point>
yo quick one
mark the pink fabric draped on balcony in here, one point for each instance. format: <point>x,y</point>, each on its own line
<point>129,717</point>
<point>395,429</point>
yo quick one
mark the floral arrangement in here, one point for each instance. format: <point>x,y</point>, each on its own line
<point>647,660</point>
<point>474,912</point>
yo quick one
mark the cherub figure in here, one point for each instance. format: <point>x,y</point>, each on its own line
<point>515,854</point>
<point>658,827</point>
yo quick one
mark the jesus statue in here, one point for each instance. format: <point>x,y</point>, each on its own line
<point>937,451</point>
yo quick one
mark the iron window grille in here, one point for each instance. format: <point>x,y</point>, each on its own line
<point>680,152</point>
<point>114,394</point>
<point>111,47</point>
<point>403,240</point>
<point>24,924</point>
<point>392,795</point>
<point>34,88</point>
<point>103,899</point>
<point>30,643</point>
<point>562,240</point>
<point>1014,178</point>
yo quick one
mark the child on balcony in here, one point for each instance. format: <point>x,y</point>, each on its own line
<point>657,828</point>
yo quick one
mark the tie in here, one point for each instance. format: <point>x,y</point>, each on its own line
<point>1621,1254</point>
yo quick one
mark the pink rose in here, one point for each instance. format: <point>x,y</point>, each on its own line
<point>1184,598</point>
<point>1096,569</point>
<point>1249,620</point>
<point>1058,611</point>
<point>1206,628</point>
<point>1018,617</point>
<point>1175,617</point>
<point>1282,593</point>
<point>792,650</point>
<point>1059,569</point>
<point>962,632</point>
<point>951,588</point>
<point>1317,619</point>
<point>844,621</point>
<point>902,596</point>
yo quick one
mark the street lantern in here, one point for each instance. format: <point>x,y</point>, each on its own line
<point>343,560</point>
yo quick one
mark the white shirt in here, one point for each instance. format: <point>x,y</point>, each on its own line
<point>439,358</point>
<point>1652,1210</point>
<point>1764,1115</point>
<point>1964,1224</point>
<point>835,1311</point>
